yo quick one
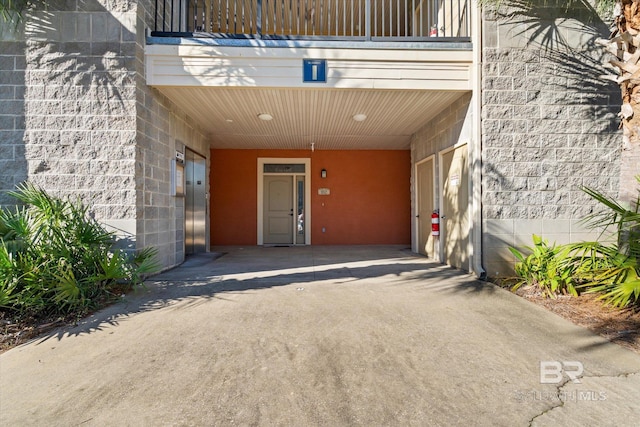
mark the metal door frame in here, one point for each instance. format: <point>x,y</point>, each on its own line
<point>307,196</point>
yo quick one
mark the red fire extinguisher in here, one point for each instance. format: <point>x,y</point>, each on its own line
<point>435,223</point>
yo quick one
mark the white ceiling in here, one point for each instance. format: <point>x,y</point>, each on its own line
<point>305,116</point>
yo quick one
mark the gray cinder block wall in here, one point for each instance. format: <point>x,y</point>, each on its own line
<point>549,128</point>
<point>74,110</point>
<point>450,127</point>
<point>162,129</point>
<point>13,164</point>
<point>78,119</point>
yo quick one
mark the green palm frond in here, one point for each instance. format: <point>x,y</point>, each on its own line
<point>613,269</point>
<point>54,257</point>
<point>13,11</point>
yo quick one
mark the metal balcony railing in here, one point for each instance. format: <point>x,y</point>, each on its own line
<point>377,20</point>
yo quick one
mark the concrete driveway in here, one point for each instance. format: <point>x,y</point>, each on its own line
<point>311,336</point>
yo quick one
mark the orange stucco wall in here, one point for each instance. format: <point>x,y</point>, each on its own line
<point>369,201</point>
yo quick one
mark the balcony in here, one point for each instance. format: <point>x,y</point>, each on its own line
<point>340,20</point>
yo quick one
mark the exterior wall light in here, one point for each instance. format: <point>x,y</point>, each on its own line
<point>323,173</point>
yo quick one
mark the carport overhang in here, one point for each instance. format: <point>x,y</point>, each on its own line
<point>225,84</point>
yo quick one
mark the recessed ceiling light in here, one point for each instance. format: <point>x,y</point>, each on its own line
<point>229,120</point>
<point>360,117</point>
<point>265,116</point>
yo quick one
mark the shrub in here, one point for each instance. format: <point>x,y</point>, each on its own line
<point>610,269</point>
<point>56,259</point>
<point>548,267</point>
<point>614,268</point>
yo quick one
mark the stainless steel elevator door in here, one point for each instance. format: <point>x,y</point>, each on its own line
<point>195,203</point>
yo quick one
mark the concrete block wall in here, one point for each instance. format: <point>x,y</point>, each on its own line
<point>13,164</point>
<point>68,74</point>
<point>77,118</point>
<point>549,128</point>
<point>162,129</point>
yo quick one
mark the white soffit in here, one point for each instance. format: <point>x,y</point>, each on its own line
<point>305,116</point>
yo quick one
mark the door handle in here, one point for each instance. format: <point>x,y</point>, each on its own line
<point>418,216</point>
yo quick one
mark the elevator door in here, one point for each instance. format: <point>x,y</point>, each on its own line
<point>195,203</point>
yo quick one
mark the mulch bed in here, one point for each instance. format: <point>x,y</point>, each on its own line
<point>15,331</point>
<point>620,326</point>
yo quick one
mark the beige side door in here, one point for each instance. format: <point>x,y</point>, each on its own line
<point>278,210</point>
<point>454,216</point>
<point>425,203</point>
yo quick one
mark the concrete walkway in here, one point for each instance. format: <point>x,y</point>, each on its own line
<point>326,336</point>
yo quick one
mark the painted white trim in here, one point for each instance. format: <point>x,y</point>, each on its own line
<point>225,66</point>
<point>333,53</point>
<point>454,44</point>
<point>440,197</point>
<point>307,199</point>
<point>416,198</point>
<point>475,152</point>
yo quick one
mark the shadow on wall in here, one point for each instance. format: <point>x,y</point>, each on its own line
<point>566,32</point>
<point>445,131</point>
<point>72,74</point>
<point>453,176</point>
<point>13,164</point>
<point>501,262</point>
<point>574,104</point>
<point>545,23</point>
<point>456,222</point>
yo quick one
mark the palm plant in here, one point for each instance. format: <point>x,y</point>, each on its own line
<point>55,258</point>
<point>547,267</point>
<point>12,11</point>
<point>613,269</point>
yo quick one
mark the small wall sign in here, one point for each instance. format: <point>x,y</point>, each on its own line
<point>177,178</point>
<point>324,191</point>
<point>314,70</point>
<point>179,157</point>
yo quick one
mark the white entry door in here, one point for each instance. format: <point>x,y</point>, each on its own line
<point>278,210</point>
<point>284,205</point>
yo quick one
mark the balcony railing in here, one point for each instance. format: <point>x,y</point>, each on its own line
<point>376,20</point>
